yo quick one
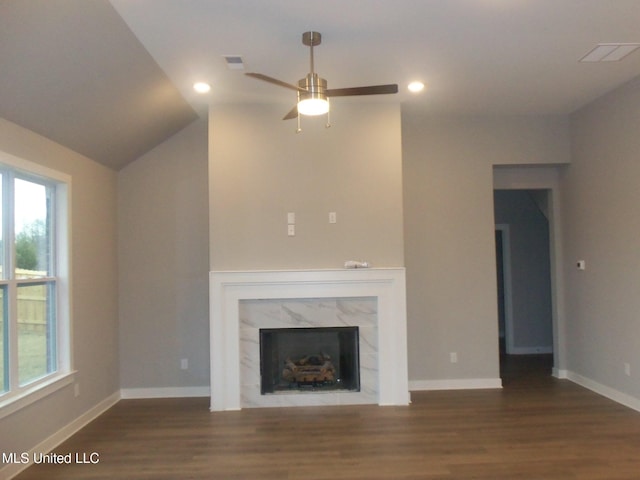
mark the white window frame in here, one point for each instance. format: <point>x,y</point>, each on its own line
<point>19,397</point>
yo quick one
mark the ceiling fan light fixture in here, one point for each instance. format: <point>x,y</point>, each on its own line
<point>313,101</point>
<point>313,94</point>
<point>313,105</point>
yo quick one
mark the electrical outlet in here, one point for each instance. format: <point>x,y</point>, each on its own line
<point>627,369</point>
<point>184,364</point>
<point>76,390</point>
<point>453,357</point>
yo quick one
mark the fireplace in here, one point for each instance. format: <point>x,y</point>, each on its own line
<point>309,359</point>
<point>303,339</point>
<point>371,300</point>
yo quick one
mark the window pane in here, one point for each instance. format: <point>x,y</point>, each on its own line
<point>36,331</point>
<point>4,344</point>
<point>32,230</point>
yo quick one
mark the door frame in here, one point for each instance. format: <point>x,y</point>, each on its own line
<point>507,286</point>
<point>545,177</point>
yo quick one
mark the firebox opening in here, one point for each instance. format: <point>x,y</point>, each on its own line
<point>309,359</point>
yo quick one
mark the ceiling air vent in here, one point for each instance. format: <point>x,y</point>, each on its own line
<point>234,62</point>
<point>610,52</point>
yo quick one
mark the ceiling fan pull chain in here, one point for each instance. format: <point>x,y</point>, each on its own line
<point>328,125</point>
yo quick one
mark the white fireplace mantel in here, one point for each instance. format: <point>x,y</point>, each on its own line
<point>229,288</point>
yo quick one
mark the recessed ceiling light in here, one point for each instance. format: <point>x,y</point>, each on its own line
<point>201,87</point>
<point>610,52</point>
<point>416,87</point>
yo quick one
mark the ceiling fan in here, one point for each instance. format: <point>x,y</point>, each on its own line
<point>312,90</point>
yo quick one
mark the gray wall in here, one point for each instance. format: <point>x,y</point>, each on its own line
<point>449,232</point>
<point>528,232</point>
<point>260,169</point>
<point>601,198</point>
<point>94,287</point>
<point>163,264</point>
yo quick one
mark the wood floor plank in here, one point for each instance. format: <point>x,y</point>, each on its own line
<point>536,428</point>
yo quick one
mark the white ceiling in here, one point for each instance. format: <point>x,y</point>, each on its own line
<point>476,56</point>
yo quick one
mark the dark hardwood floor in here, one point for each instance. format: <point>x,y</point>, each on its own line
<point>525,370</point>
<point>536,427</point>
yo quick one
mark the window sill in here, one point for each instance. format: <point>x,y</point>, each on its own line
<point>34,393</point>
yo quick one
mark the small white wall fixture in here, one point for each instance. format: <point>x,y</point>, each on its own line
<point>229,288</point>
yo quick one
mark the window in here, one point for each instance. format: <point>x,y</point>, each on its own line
<point>34,319</point>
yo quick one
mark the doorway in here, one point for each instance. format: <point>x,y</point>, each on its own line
<point>523,267</point>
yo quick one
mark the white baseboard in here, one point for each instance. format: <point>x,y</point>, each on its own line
<point>165,392</point>
<point>560,373</point>
<point>13,469</point>
<point>479,383</point>
<point>610,393</point>
<point>455,384</point>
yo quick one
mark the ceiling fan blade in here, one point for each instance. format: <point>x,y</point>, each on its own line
<point>275,81</point>
<point>293,113</point>
<point>370,90</point>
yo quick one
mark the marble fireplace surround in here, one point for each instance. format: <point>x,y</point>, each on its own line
<point>230,288</point>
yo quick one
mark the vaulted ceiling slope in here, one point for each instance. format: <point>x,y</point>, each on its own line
<point>72,71</point>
